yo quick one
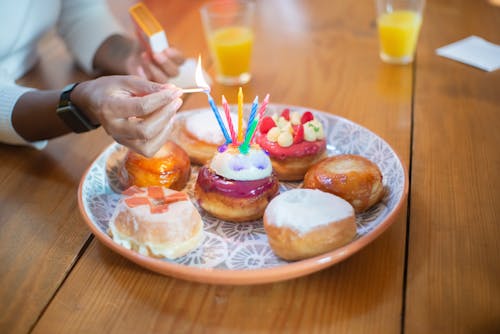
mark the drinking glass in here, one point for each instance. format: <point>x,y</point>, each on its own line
<point>399,23</point>
<point>229,30</point>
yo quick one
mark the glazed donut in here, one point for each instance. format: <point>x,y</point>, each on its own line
<point>169,167</point>
<point>236,187</point>
<point>301,223</point>
<point>198,133</point>
<point>352,177</point>
<point>294,143</point>
<point>157,222</point>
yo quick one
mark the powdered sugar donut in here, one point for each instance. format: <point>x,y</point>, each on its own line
<point>302,223</point>
<point>157,222</point>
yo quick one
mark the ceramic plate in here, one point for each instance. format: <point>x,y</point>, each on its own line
<point>240,253</point>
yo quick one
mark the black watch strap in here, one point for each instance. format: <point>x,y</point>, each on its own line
<point>70,114</point>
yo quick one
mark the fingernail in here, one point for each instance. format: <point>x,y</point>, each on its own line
<point>167,85</point>
<point>176,92</point>
<point>177,103</point>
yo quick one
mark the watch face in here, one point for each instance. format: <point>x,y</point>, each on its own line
<point>75,120</point>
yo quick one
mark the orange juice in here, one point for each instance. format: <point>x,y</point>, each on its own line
<point>398,33</point>
<point>232,48</point>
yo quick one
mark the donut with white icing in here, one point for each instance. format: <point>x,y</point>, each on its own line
<point>236,187</point>
<point>199,134</point>
<point>302,223</point>
<point>157,222</point>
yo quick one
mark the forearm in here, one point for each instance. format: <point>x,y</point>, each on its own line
<point>132,110</point>
<point>34,116</point>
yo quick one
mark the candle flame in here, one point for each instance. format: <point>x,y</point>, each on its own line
<point>199,77</point>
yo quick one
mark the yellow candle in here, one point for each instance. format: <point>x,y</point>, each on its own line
<point>240,115</point>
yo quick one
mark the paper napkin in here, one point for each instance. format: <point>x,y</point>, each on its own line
<point>474,51</point>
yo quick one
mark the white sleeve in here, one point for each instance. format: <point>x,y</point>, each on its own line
<point>85,25</point>
<point>9,94</point>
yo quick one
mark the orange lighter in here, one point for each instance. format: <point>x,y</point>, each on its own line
<point>149,30</point>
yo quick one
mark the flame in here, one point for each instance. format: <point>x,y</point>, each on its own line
<point>199,77</point>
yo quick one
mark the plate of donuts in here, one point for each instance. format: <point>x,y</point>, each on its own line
<point>241,253</point>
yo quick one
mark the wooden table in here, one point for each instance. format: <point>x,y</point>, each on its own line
<point>436,270</point>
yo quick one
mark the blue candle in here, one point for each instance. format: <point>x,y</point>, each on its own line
<point>253,111</point>
<point>219,119</point>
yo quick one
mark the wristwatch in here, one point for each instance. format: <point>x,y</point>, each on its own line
<point>70,114</point>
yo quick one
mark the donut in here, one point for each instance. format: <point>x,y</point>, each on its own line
<point>169,167</point>
<point>198,133</point>
<point>157,222</point>
<point>352,177</point>
<point>302,223</point>
<point>236,187</point>
<point>294,143</point>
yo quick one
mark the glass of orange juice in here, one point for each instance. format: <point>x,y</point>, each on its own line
<point>399,23</point>
<point>229,29</point>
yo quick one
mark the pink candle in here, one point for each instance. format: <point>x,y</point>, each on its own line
<point>228,117</point>
<point>263,107</point>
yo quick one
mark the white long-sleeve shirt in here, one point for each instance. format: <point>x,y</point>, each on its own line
<point>83,25</point>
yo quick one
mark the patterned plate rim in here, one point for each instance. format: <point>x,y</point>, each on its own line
<point>250,276</point>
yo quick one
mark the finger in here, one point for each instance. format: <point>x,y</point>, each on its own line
<point>147,128</point>
<point>175,55</point>
<point>131,85</point>
<point>141,106</point>
<point>150,147</point>
<point>170,68</point>
<point>156,73</point>
<point>140,72</point>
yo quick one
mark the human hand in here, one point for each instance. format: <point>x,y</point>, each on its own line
<point>122,55</point>
<point>132,110</point>
<point>157,67</point>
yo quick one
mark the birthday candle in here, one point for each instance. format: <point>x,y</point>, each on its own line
<point>219,119</point>
<point>251,130</point>
<point>228,117</point>
<point>240,115</point>
<point>263,107</point>
<point>253,111</point>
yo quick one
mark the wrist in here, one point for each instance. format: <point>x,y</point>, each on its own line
<point>70,114</point>
<point>79,99</point>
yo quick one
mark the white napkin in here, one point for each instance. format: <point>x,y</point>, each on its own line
<point>473,51</point>
<point>186,77</point>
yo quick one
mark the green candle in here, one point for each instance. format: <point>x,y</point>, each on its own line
<point>246,144</point>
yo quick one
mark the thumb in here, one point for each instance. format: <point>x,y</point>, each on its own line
<point>140,86</point>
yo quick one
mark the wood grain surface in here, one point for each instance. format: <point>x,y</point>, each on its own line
<point>453,281</point>
<point>440,117</point>
<point>104,291</point>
